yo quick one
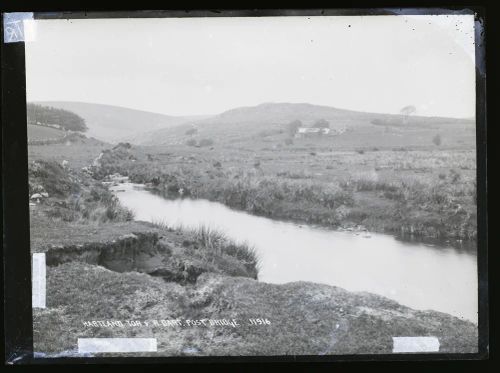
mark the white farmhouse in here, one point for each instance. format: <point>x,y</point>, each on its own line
<point>307,131</point>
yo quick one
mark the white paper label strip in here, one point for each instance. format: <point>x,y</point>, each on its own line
<point>415,344</point>
<point>86,345</point>
<point>38,280</point>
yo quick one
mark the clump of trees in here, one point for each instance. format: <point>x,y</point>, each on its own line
<point>321,123</point>
<point>49,116</point>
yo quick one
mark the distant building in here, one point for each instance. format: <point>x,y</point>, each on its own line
<point>304,130</point>
<point>311,131</point>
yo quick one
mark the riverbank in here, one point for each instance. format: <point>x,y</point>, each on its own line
<point>304,318</point>
<point>104,266</point>
<point>358,261</point>
<point>434,200</point>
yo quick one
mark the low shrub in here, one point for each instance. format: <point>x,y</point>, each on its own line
<point>96,204</point>
<point>218,251</point>
<point>50,175</point>
<point>191,131</point>
<point>206,142</point>
<point>436,140</point>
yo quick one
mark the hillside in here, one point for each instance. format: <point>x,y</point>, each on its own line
<point>113,123</point>
<point>270,119</point>
<point>283,113</point>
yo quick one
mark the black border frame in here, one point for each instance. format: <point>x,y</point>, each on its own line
<point>16,241</point>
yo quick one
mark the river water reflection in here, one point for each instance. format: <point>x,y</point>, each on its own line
<point>418,275</point>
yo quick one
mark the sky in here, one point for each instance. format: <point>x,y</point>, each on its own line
<point>202,66</point>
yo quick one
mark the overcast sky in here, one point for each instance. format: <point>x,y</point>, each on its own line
<point>188,66</point>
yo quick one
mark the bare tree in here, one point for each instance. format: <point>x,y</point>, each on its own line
<point>407,111</point>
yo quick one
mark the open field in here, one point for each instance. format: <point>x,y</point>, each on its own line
<point>78,155</point>
<point>41,133</point>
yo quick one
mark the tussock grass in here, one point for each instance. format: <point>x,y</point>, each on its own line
<point>368,182</point>
<point>210,238</point>
<point>161,224</point>
<point>214,246</point>
<point>217,242</point>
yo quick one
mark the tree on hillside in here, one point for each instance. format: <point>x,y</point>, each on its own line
<point>407,111</point>
<point>49,116</point>
<point>292,127</point>
<point>321,123</point>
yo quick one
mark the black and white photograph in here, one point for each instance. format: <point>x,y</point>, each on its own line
<point>287,185</point>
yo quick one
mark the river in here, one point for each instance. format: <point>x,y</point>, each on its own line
<point>421,276</point>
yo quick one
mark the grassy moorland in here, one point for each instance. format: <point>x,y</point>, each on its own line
<point>103,265</point>
<point>415,177</point>
<point>410,191</point>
